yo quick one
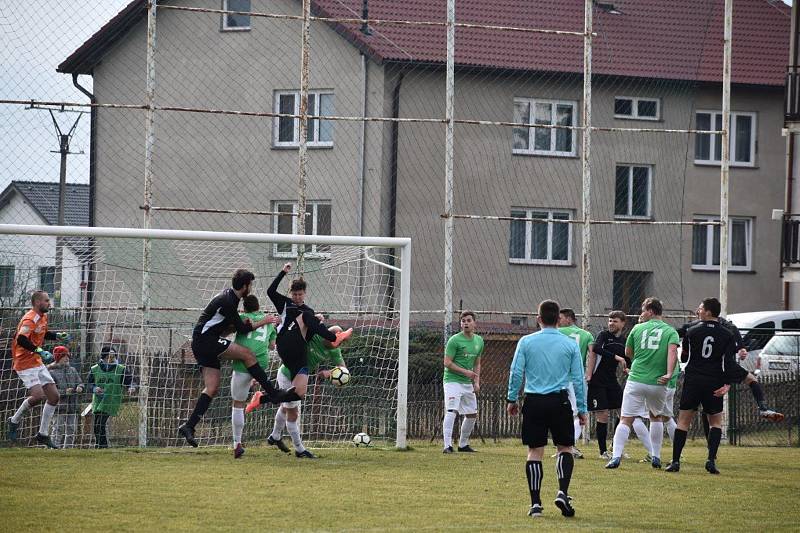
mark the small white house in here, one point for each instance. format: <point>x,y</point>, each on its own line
<point>28,262</point>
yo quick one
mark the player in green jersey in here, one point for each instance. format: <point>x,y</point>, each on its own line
<point>567,325</point>
<point>259,341</point>
<point>318,352</point>
<point>653,347</point>
<point>462,381</point>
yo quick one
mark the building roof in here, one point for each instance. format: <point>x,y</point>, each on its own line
<point>675,39</point>
<point>43,197</point>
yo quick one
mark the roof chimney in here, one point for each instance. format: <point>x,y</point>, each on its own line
<point>365,15</point>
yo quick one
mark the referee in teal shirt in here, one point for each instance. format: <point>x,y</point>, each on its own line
<point>548,360</point>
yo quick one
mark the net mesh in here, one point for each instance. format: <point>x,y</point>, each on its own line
<point>351,285</point>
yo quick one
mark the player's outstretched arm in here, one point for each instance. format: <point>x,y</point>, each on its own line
<point>278,299</point>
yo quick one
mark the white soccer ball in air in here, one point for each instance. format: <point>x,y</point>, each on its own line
<point>362,439</point>
<point>340,376</point>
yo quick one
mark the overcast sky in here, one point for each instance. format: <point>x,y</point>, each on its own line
<point>35,36</point>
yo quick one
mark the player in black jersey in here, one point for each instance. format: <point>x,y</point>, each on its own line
<point>736,374</point>
<point>298,324</point>
<point>708,349</point>
<point>209,346</point>
<point>604,391</point>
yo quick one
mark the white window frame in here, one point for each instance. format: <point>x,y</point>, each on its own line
<point>521,319</point>
<point>313,254</point>
<point>224,23</point>
<point>531,150</point>
<point>708,265</point>
<point>312,123</point>
<point>527,260</point>
<point>635,108</point>
<point>630,216</point>
<point>715,138</point>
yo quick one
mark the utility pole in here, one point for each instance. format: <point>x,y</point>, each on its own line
<point>64,140</point>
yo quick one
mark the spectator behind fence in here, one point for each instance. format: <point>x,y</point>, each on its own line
<point>70,387</point>
<point>106,381</point>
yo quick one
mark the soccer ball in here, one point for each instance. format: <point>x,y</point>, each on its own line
<point>362,439</point>
<point>340,376</point>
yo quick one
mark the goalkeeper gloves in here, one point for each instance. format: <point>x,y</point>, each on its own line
<point>63,336</point>
<point>46,356</point>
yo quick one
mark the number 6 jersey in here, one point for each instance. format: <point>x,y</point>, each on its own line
<point>708,345</point>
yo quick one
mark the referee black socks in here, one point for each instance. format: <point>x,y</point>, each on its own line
<point>564,464</point>
<point>714,437</point>
<point>533,471</point>
<point>678,444</point>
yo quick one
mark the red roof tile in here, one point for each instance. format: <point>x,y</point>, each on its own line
<point>667,39</point>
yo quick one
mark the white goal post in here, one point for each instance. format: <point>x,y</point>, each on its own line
<point>15,235</point>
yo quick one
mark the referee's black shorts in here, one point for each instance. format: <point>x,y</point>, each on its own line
<point>208,348</point>
<point>543,413</point>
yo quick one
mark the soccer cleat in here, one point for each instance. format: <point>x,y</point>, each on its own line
<point>536,510</point>
<point>613,463</point>
<point>449,449</point>
<point>647,459</point>
<point>656,462</point>
<point>711,467</point>
<point>341,337</point>
<point>187,433</point>
<point>238,452</point>
<point>564,503</point>
<point>606,455</point>
<point>278,443</point>
<point>305,454</point>
<point>576,453</point>
<point>46,440</point>
<point>674,466</point>
<point>255,401</point>
<point>13,430</point>
<point>772,416</point>
<point>466,448</point>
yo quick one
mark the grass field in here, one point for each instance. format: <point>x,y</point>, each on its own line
<point>386,490</point>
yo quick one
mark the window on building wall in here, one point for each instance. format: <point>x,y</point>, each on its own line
<point>544,140</point>
<point>637,108</point>
<point>6,280</point>
<point>233,21</point>
<point>629,289</point>
<point>632,191</point>
<point>318,222</point>
<point>319,133</point>
<point>708,146</point>
<point>47,279</point>
<point>706,242</point>
<point>538,238</point>
<point>519,320</point>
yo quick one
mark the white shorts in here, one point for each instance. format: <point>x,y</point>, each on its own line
<point>669,401</point>
<point>460,397</point>
<point>240,385</point>
<point>285,383</point>
<point>38,375</point>
<point>641,398</point>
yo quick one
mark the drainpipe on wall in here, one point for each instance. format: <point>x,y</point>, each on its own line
<point>90,278</point>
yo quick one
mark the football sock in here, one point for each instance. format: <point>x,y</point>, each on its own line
<point>564,464</point>
<point>24,406</point>
<point>671,425</point>
<point>237,422</point>
<point>200,408</point>
<point>533,471</point>
<point>656,437</point>
<point>294,432</point>
<point>47,414</point>
<point>714,437</point>
<point>678,444</point>
<point>602,434</point>
<point>280,422</point>
<point>447,427</point>
<point>259,375</point>
<point>620,436</point>
<point>467,425</point>
<point>758,394</point>
<point>643,434</point>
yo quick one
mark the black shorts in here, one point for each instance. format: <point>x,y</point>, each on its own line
<point>602,397</point>
<point>735,374</point>
<point>292,350</point>
<point>207,349</point>
<point>543,413</point>
<point>697,392</point>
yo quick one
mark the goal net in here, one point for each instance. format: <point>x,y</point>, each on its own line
<point>104,294</point>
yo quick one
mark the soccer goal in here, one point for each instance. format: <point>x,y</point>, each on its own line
<point>141,291</point>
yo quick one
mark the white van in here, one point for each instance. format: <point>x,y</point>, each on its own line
<point>759,327</point>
